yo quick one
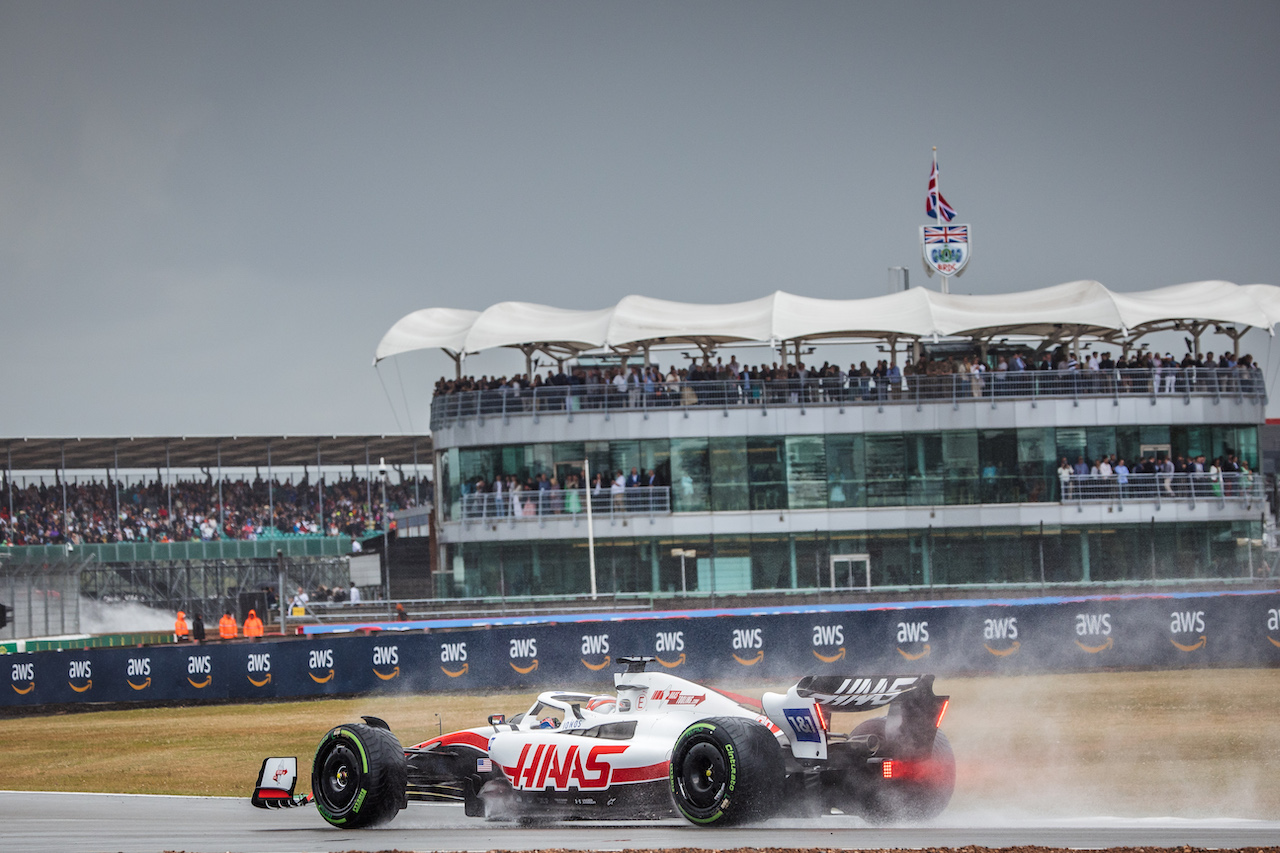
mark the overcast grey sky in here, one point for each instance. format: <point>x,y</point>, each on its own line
<point>210,213</point>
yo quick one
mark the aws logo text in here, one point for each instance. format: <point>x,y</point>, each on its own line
<point>453,654</point>
<point>260,665</point>
<point>594,645</point>
<point>1273,624</point>
<point>825,636</point>
<point>669,641</point>
<point>320,660</point>
<point>80,670</point>
<point>523,649</point>
<point>1092,626</point>
<point>139,668</point>
<point>23,673</point>
<point>913,634</point>
<point>1183,622</point>
<point>999,631</point>
<point>386,656</point>
<point>745,639</point>
<point>198,665</point>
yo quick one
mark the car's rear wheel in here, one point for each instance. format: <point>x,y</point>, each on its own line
<point>921,795</point>
<point>358,776</point>
<point>725,771</point>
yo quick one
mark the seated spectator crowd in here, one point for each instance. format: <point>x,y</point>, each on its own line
<point>143,514</point>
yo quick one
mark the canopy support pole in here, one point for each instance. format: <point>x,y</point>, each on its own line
<point>168,483</point>
<point>271,496</point>
<point>320,490</point>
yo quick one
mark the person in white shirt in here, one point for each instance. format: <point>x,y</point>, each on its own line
<point>354,596</point>
<point>618,490</point>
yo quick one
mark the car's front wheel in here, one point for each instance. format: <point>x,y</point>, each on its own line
<point>725,771</point>
<point>358,776</point>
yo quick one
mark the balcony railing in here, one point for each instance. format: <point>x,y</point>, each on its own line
<point>957,388</point>
<point>1213,488</point>
<point>1220,490</point>
<point>546,504</point>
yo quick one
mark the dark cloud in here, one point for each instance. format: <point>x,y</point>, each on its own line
<point>210,213</point>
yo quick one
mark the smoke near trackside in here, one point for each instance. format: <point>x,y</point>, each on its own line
<point>122,617</point>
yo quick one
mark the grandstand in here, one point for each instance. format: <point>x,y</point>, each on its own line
<point>199,523</point>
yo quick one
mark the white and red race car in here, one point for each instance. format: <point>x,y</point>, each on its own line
<point>659,745</point>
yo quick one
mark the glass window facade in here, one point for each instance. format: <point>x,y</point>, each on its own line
<point>837,471</point>
<point>898,558</point>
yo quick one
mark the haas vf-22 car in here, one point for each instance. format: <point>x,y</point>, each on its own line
<point>658,745</point>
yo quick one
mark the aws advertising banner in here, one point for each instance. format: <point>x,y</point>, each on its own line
<point>952,638</point>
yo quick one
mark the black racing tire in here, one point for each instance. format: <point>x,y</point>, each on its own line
<point>726,771</point>
<point>359,776</point>
<point>913,801</point>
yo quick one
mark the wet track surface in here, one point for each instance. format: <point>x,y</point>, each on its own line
<point>49,822</point>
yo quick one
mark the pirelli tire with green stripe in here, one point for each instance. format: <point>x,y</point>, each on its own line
<point>726,771</point>
<point>358,776</point>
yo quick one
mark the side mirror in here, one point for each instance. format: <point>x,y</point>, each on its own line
<point>497,719</point>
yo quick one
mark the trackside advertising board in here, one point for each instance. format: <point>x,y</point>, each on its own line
<point>948,638</point>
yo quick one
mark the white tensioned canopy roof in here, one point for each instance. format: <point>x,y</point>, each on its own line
<point>1062,312</point>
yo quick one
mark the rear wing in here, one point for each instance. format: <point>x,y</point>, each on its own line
<point>915,711</point>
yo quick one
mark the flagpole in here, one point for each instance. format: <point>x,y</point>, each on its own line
<point>937,209</point>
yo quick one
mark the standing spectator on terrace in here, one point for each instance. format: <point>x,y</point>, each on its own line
<point>1166,476</point>
<point>1170,372</point>
<point>180,631</point>
<point>197,628</point>
<point>635,386</point>
<point>354,595</point>
<point>1081,468</point>
<point>1122,477</point>
<point>227,627</point>
<point>597,493</point>
<point>618,490</point>
<point>500,505</point>
<point>1064,479</point>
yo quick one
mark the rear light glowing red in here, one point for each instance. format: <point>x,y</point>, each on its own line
<point>822,719</point>
<point>886,770</point>
<point>942,712</point>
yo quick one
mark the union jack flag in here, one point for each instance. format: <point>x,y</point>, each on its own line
<point>946,233</point>
<point>936,201</point>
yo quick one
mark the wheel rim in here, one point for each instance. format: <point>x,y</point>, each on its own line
<point>338,777</point>
<point>703,775</point>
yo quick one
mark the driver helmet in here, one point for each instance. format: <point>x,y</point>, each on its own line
<point>602,704</point>
<point>547,723</point>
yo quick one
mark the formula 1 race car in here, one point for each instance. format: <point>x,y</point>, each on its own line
<point>659,745</point>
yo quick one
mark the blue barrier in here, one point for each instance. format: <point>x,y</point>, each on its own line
<point>948,638</point>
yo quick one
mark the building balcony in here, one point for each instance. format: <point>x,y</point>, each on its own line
<point>917,504</point>
<point>957,390</point>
